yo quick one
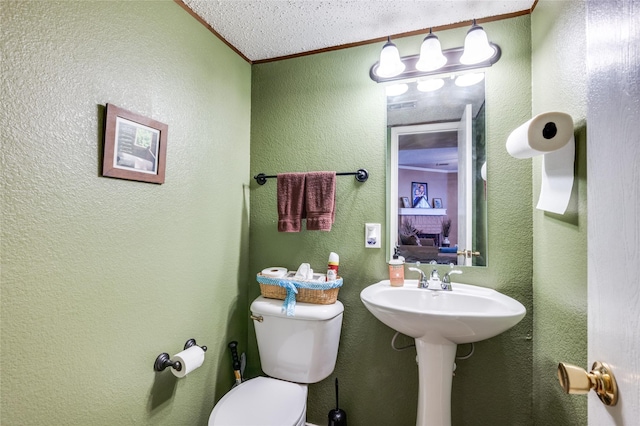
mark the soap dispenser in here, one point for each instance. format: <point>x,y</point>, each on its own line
<point>396,270</point>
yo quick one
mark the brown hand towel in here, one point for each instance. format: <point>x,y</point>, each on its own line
<point>290,201</point>
<point>320,195</point>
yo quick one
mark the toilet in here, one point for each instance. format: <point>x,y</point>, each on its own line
<point>294,351</point>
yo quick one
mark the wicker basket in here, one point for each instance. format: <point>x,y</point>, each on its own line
<point>305,295</point>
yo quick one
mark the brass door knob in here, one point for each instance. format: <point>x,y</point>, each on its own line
<point>576,380</point>
<point>468,253</point>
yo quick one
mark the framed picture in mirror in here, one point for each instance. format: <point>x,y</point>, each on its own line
<point>405,202</point>
<point>437,203</point>
<point>420,195</point>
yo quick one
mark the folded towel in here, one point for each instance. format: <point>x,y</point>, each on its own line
<point>321,200</point>
<point>290,201</point>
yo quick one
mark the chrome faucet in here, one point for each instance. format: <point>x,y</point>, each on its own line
<point>433,282</point>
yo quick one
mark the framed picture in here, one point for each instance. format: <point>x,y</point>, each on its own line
<point>135,147</point>
<point>405,202</point>
<point>437,203</point>
<point>420,195</point>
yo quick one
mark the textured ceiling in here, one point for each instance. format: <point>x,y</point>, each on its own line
<point>267,29</point>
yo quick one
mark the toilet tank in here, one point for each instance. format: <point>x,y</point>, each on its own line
<point>302,348</point>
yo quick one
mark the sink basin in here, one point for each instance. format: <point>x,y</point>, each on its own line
<point>439,321</point>
<point>466,314</point>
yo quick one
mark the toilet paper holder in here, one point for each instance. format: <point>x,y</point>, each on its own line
<point>164,360</point>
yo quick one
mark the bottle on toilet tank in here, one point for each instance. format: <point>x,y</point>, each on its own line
<point>332,267</point>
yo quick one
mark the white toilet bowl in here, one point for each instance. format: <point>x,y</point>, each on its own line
<point>294,351</point>
<point>262,401</point>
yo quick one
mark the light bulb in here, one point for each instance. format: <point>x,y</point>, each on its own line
<point>396,89</point>
<point>431,57</point>
<point>430,85</point>
<point>390,63</point>
<point>469,79</point>
<point>476,46</point>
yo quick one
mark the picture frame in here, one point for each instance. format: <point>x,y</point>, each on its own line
<point>135,147</point>
<point>405,202</point>
<point>420,195</point>
<point>437,203</point>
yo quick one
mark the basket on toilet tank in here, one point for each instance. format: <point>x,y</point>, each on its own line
<point>294,290</point>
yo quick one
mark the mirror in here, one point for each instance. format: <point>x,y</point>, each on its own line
<point>437,160</point>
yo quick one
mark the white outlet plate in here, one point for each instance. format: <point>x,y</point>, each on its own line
<point>372,235</point>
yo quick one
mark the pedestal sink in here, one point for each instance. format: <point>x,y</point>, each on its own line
<point>439,321</point>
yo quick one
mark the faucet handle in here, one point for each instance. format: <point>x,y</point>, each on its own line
<point>447,276</point>
<point>446,280</point>
<point>422,283</point>
<point>420,271</point>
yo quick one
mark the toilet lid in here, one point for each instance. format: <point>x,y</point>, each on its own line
<point>261,401</point>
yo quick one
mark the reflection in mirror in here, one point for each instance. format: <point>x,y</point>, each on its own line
<point>437,172</point>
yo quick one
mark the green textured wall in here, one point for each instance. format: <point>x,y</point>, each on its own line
<point>560,241</point>
<point>322,112</point>
<point>74,286</point>
<point>101,275</point>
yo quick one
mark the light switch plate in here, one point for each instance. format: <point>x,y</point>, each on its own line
<point>372,235</point>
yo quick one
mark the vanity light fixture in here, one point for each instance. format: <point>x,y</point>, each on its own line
<point>476,46</point>
<point>390,64</point>
<point>477,52</point>
<point>431,57</point>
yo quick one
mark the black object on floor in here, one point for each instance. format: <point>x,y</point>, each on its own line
<point>337,417</point>
<point>236,362</point>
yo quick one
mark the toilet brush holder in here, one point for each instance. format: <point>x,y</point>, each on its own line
<point>337,417</point>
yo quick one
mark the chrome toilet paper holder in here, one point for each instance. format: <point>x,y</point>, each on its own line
<point>164,360</point>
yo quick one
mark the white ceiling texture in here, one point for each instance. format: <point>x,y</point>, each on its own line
<point>263,30</point>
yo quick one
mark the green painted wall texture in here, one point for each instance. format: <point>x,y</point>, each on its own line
<point>322,112</point>
<point>101,275</point>
<point>560,241</point>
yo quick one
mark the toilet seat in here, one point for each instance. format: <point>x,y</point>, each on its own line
<point>262,401</point>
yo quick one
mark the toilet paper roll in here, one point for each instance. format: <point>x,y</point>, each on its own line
<point>551,135</point>
<point>542,134</point>
<point>190,359</point>
<point>275,272</point>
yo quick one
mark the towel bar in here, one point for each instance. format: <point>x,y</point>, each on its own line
<point>361,176</point>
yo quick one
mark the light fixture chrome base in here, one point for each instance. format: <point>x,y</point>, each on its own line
<point>453,65</point>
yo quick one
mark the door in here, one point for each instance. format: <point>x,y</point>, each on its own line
<point>613,193</point>
<point>396,163</point>
<point>465,185</point>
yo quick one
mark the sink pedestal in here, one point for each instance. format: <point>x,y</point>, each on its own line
<point>438,321</point>
<point>435,376</point>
